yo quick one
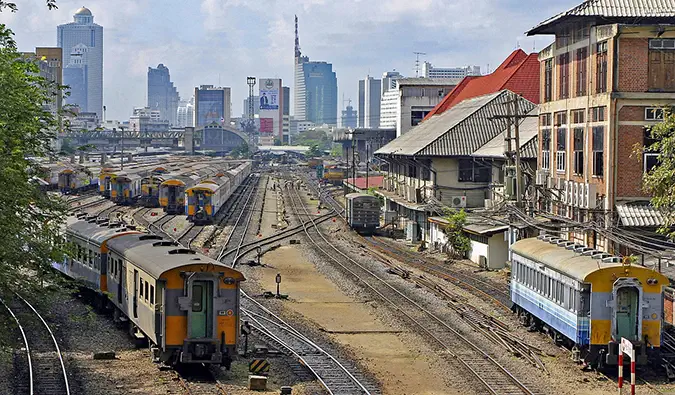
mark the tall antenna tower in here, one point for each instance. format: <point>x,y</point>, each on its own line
<point>417,62</point>
<point>250,122</point>
<point>297,40</point>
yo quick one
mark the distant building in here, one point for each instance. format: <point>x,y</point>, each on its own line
<point>271,107</point>
<point>49,61</point>
<point>411,100</point>
<point>429,71</point>
<point>370,91</point>
<point>298,126</point>
<point>82,45</point>
<point>349,118</point>
<point>315,88</point>
<point>162,94</point>
<point>146,119</point>
<point>185,114</point>
<point>286,125</point>
<point>212,105</point>
<point>256,107</point>
<point>389,79</point>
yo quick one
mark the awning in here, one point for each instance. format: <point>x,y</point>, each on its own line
<point>639,214</point>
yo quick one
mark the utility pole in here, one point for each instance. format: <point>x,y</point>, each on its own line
<point>250,81</point>
<point>367,167</point>
<point>122,145</point>
<point>519,172</point>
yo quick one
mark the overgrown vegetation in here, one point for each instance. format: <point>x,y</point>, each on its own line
<point>660,180</point>
<point>314,151</point>
<point>458,242</point>
<point>241,152</point>
<point>30,219</point>
<point>314,137</point>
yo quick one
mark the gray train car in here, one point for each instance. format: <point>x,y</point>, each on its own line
<point>363,212</point>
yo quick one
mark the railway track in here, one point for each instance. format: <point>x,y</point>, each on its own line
<point>496,378</point>
<point>46,369</point>
<point>493,292</point>
<point>199,380</point>
<point>237,236</point>
<point>333,375</point>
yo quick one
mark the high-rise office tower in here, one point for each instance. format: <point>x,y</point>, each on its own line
<point>369,102</point>
<point>212,105</point>
<point>82,45</point>
<point>162,94</point>
<point>315,88</point>
<point>389,79</point>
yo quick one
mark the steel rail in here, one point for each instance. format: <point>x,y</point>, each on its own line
<point>221,253</point>
<point>25,342</point>
<point>321,356</point>
<point>480,361</point>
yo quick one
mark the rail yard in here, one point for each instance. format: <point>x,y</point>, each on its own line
<point>271,268</point>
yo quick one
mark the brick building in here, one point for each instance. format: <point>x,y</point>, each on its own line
<point>604,80</point>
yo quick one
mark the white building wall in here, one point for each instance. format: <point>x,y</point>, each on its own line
<point>389,109</point>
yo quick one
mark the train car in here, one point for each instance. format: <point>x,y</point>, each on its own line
<point>126,188</point>
<point>363,212</point>
<point>334,174</point>
<point>586,299</point>
<point>77,179</point>
<point>205,199</point>
<point>185,304</point>
<point>172,190</point>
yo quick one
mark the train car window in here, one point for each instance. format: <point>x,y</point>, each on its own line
<point>152,295</point>
<point>146,291</point>
<point>141,289</point>
<point>197,298</point>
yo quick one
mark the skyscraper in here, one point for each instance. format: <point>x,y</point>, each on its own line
<point>389,79</point>
<point>349,117</point>
<point>82,45</point>
<point>315,88</point>
<point>429,71</point>
<point>212,105</point>
<point>162,95</point>
<point>369,102</point>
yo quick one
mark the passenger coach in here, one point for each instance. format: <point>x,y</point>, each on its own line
<point>363,212</point>
<point>587,299</point>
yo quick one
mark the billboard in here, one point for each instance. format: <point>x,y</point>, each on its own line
<point>269,94</point>
<point>266,125</point>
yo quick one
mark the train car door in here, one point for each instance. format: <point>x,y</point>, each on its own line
<point>172,196</point>
<point>121,273</point>
<point>135,301</point>
<point>627,313</point>
<point>202,294</point>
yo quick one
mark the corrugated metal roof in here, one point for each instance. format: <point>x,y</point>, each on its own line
<point>527,130</point>
<point>422,81</point>
<point>639,214</point>
<point>612,9</point>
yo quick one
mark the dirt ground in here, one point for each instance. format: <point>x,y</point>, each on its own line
<point>353,324</point>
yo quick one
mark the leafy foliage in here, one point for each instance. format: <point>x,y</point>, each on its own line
<point>51,4</point>
<point>454,230</point>
<point>314,151</point>
<point>242,152</point>
<point>660,180</point>
<point>314,137</point>
<point>31,219</point>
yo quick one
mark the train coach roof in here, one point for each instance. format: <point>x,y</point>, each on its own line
<point>156,256</point>
<point>91,232</point>
<point>358,194</point>
<point>560,259</point>
<point>204,187</point>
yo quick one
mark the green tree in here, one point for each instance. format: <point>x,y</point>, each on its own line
<point>242,152</point>
<point>314,151</point>
<point>454,230</point>
<point>31,220</point>
<point>660,180</point>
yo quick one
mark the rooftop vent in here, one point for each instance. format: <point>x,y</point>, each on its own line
<point>611,259</point>
<point>590,252</point>
<point>565,243</point>
<point>182,251</point>
<point>165,243</point>
<point>81,215</point>
<point>150,237</point>
<point>196,259</point>
<point>102,220</point>
<point>573,247</point>
<point>553,240</point>
<point>600,255</point>
<point>582,249</point>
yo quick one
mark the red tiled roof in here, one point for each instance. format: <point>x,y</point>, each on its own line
<point>519,73</point>
<point>373,182</point>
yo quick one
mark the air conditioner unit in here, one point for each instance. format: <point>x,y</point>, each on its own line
<point>560,183</point>
<point>570,192</point>
<point>542,176</point>
<point>575,194</point>
<point>489,203</point>
<point>563,195</point>
<point>590,196</point>
<point>550,182</point>
<point>458,201</point>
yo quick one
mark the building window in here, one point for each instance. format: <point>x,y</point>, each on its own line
<point>579,151</point>
<point>598,148</point>
<point>601,68</point>
<point>548,79</point>
<point>578,116</point>
<point>582,68</point>
<point>561,149</point>
<point>474,171</point>
<point>417,116</point>
<point>650,157</point>
<point>597,114</point>
<point>546,149</point>
<point>653,114</point>
<point>662,64</point>
<point>564,77</point>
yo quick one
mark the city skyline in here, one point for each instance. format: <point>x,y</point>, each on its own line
<point>143,34</point>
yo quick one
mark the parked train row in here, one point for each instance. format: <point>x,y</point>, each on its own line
<point>185,304</point>
<point>205,199</point>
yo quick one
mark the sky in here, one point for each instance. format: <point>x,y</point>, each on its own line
<point>221,42</point>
